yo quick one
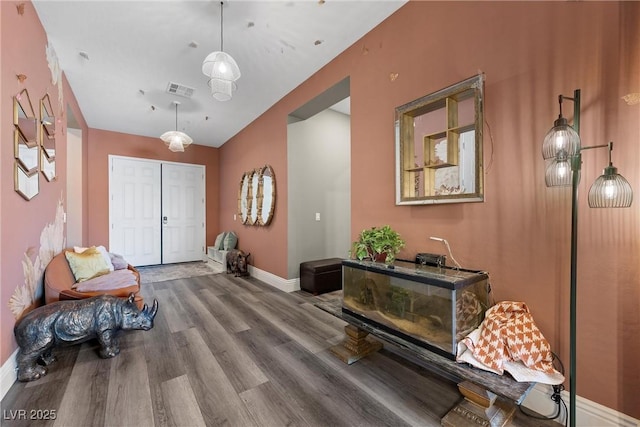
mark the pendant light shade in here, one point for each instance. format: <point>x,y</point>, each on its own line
<point>558,173</point>
<point>610,190</point>
<point>174,139</point>
<point>221,69</point>
<point>561,140</point>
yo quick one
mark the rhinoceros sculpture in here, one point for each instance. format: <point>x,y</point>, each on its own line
<point>73,322</point>
<point>237,262</point>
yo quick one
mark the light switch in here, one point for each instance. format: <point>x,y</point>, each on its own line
<point>234,217</point>
<point>317,216</point>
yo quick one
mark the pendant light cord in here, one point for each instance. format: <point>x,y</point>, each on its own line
<point>176,116</point>
<point>221,24</point>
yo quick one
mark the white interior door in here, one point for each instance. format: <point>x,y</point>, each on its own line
<point>74,187</point>
<point>134,210</point>
<point>183,208</point>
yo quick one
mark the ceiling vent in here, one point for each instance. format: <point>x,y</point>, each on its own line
<point>181,90</point>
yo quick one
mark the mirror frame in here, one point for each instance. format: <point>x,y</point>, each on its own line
<point>418,168</point>
<point>21,102</point>
<point>28,167</point>
<point>18,173</point>
<point>47,133</point>
<point>243,200</point>
<point>263,219</point>
<point>254,187</point>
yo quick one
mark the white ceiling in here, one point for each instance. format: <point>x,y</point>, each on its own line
<point>119,56</point>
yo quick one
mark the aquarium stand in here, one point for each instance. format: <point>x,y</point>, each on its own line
<point>355,346</point>
<point>480,407</point>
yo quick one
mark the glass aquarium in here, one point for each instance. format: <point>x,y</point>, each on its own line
<point>433,307</point>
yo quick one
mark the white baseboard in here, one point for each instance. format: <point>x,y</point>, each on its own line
<point>588,413</point>
<point>285,285</point>
<point>8,374</point>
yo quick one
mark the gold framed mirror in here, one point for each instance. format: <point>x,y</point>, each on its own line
<point>26,184</point>
<point>267,195</point>
<point>24,118</point>
<point>254,205</point>
<point>243,198</point>
<point>439,146</point>
<point>47,139</point>
<point>26,147</point>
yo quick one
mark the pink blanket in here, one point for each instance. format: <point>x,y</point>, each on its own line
<point>115,280</point>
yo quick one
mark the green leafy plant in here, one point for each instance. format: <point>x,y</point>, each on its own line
<point>375,241</point>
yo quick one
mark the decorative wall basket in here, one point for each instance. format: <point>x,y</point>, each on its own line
<point>257,196</point>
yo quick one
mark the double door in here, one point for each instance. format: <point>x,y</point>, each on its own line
<point>156,211</point>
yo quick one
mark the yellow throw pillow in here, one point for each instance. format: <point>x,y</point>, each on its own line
<point>87,264</point>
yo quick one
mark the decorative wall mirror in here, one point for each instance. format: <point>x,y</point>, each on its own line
<point>267,195</point>
<point>439,146</point>
<point>255,205</point>
<point>24,118</point>
<point>243,197</point>
<point>26,183</point>
<point>26,147</point>
<point>47,139</point>
<point>25,153</point>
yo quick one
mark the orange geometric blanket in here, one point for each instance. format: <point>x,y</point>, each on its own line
<point>508,333</point>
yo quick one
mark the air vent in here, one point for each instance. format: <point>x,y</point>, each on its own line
<point>181,90</point>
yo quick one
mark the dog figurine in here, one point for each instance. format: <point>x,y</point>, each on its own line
<point>73,322</point>
<point>237,262</point>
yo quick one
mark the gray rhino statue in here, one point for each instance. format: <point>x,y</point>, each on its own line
<point>73,322</point>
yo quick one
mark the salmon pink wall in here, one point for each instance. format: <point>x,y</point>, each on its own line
<point>103,143</point>
<point>520,234</point>
<point>21,221</point>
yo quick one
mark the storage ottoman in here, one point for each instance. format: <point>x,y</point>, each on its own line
<point>320,276</point>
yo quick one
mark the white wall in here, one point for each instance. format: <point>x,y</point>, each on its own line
<point>319,171</point>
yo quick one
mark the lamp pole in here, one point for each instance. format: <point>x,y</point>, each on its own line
<point>576,164</point>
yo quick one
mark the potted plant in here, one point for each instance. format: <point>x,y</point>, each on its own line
<point>381,244</point>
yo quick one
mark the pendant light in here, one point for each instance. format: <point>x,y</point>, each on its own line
<point>174,139</point>
<point>221,69</point>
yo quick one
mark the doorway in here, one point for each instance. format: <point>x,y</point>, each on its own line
<point>156,211</point>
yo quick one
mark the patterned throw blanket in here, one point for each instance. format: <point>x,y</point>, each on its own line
<point>508,339</point>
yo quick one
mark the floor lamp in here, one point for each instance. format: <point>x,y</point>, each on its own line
<point>563,153</point>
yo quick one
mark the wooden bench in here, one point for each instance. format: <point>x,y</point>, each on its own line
<point>489,399</point>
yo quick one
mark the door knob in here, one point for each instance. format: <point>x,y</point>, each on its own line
<point>164,219</point>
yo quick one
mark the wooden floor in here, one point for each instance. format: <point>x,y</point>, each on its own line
<point>235,352</point>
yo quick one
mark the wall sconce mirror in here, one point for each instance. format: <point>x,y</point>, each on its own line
<point>243,198</point>
<point>47,139</point>
<point>439,146</point>
<point>24,118</point>
<point>267,197</point>
<point>26,183</point>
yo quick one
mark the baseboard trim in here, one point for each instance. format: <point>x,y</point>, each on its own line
<point>285,285</point>
<point>588,413</point>
<point>8,374</point>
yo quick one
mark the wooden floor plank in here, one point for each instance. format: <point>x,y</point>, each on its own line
<point>128,396</point>
<point>218,401</point>
<point>85,401</point>
<point>181,404</point>
<point>242,371</point>
<point>229,319</point>
<point>172,310</point>
<point>270,408</point>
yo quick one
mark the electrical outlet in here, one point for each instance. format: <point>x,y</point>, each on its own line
<point>317,216</point>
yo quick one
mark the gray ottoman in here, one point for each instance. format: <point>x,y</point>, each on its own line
<point>320,276</point>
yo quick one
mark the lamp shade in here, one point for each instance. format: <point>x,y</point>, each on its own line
<point>176,140</point>
<point>222,90</point>
<point>561,140</point>
<point>610,190</point>
<point>220,65</point>
<point>558,173</point>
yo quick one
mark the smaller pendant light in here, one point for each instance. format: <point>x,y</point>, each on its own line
<point>174,139</point>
